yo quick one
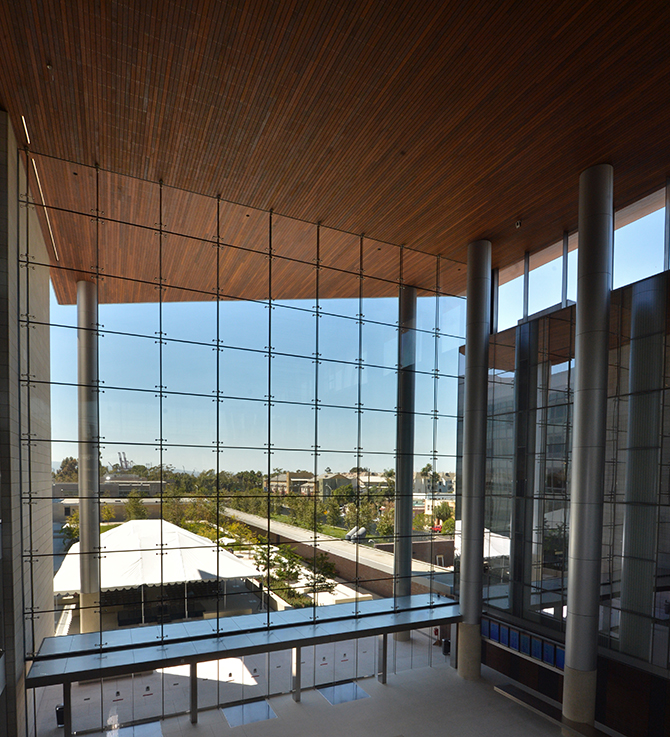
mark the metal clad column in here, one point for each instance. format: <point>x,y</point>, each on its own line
<point>402,559</point>
<point>89,477</point>
<point>594,280</point>
<point>477,333</point>
<point>640,521</point>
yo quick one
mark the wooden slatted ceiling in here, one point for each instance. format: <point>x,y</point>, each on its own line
<point>421,123</point>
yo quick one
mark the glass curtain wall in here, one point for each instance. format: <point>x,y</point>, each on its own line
<point>247,378</point>
<point>529,438</point>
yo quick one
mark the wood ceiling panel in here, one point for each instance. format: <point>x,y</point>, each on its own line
<point>420,123</point>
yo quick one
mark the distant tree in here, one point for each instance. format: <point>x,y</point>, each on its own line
<point>133,508</point>
<point>333,513</point>
<point>449,526</point>
<point>70,529</point>
<point>321,563</point>
<point>362,515</point>
<point>305,511</point>
<point>174,510</point>
<point>106,513</point>
<point>389,475</point>
<point>287,564</point>
<point>386,521</point>
<point>344,494</point>
<point>421,521</point>
<point>442,511</point>
<point>429,475</point>
<point>68,471</point>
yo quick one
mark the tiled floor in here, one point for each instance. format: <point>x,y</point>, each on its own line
<point>340,693</point>
<point>412,704</point>
<point>418,700</point>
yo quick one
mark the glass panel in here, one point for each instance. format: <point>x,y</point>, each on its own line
<point>295,281</point>
<point>292,425</point>
<point>339,293</point>
<point>63,366</point>
<point>292,379</point>
<point>293,239</point>
<point>544,285</point>
<point>381,260</point>
<point>189,263</point>
<point>129,416</point>
<point>190,214</point>
<point>136,319</point>
<point>185,316</point>
<point>132,253</point>
<point>127,362</point>
<point>338,384</point>
<point>243,274</point>
<point>189,420</point>
<point>452,315</point>
<point>293,331</point>
<point>378,431</point>
<point>243,423</point>
<point>189,367</point>
<point>427,311</point>
<point>244,324</point>
<point>338,250</point>
<point>510,303</point>
<point>338,430</point>
<point>379,388</point>
<point>639,249</point>
<point>380,344</point>
<point>338,337</point>
<point>243,227</point>
<point>243,374</point>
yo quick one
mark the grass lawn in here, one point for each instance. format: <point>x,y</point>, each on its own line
<point>111,526</point>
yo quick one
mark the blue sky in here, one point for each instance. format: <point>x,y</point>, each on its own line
<point>130,413</point>
<point>130,409</point>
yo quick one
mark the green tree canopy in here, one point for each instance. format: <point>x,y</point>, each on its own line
<point>442,511</point>
<point>133,508</point>
<point>68,471</point>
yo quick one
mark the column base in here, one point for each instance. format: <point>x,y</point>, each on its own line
<point>89,613</point>
<point>469,651</point>
<point>579,695</point>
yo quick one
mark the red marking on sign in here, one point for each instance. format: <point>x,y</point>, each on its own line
<point>323,663</point>
<point>147,694</point>
<point>345,660</point>
<point>117,699</point>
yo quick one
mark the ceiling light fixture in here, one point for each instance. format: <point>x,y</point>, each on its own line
<point>46,212</point>
<point>25,128</point>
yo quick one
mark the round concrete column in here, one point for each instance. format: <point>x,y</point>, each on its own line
<point>594,280</point>
<point>477,332</point>
<point>89,477</point>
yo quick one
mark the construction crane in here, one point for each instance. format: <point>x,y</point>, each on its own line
<point>124,463</point>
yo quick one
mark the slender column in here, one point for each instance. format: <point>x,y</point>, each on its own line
<point>194,692</point>
<point>477,331</point>
<point>640,521</point>
<point>525,432</point>
<point>89,481</point>
<point>67,709</point>
<point>296,663</point>
<point>594,280</point>
<point>405,441</point>
<point>382,657</point>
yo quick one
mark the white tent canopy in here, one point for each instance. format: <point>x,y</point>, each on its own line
<point>130,557</point>
<point>495,545</point>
